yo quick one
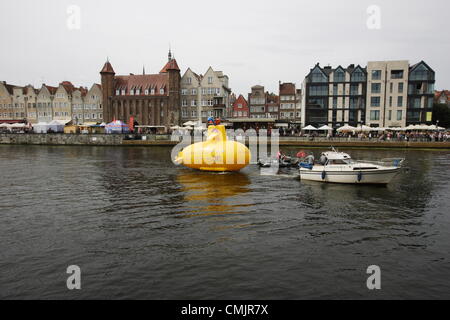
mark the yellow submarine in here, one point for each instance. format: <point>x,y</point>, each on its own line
<point>216,153</point>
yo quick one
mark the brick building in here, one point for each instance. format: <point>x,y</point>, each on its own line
<point>151,99</point>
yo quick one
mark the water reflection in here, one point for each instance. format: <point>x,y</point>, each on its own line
<point>208,193</point>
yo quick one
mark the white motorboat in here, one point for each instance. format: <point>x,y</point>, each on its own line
<point>339,167</point>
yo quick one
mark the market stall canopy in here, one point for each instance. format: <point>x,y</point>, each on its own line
<point>18,125</point>
<point>379,129</point>
<point>189,123</point>
<point>311,128</point>
<point>5,125</point>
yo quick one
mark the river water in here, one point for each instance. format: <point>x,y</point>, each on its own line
<point>141,228</point>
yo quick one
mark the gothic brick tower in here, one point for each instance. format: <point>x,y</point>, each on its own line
<point>172,69</point>
<point>107,75</point>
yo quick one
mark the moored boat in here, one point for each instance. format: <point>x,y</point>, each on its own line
<point>339,167</point>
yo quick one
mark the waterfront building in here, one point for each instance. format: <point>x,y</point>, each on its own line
<point>45,103</point>
<point>6,102</point>
<point>62,101</point>
<point>442,97</point>
<point>204,96</point>
<point>257,102</point>
<point>420,94</point>
<point>31,95</point>
<point>240,108</point>
<point>151,99</point>
<point>290,103</point>
<point>334,97</point>
<point>387,93</point>
<point>93,104</point>
<point>272,106</point>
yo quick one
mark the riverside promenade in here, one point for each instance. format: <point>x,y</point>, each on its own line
<point>165,140</point>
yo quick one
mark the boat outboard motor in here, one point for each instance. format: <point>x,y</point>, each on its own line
<point>360,176</point>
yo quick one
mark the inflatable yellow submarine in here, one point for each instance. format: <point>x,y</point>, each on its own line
<point>216,153</point>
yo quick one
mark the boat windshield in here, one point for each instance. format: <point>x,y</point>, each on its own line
<point>340,161</point>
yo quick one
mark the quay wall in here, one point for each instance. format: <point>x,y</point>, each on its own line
<point>164,140</point>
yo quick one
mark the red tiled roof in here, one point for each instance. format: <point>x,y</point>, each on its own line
<point>107,68</point>
<point>287,89</point>
<point>142,82</point>
<point>171,65</point>
<point>68,86</point>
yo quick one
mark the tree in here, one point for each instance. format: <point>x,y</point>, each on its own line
<point>441,113</point>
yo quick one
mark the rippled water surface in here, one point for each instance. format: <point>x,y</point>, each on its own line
<point>141,228</point>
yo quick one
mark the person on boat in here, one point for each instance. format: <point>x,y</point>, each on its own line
<point>310,159</point>
<point>210,121</point>
<point>217,121</point>
<point>323,159</point>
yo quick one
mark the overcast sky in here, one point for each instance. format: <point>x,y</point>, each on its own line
<point>253,42</point>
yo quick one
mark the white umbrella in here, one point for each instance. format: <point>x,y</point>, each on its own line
<point>379,129</point>
<point>310,128</point>
<point>5,125</point>
<point>175,128</point>
<point>363,128</point>
<point>325,128</point>
<point>17,125</point>
<point>189,123</point>
<point>346,128</point>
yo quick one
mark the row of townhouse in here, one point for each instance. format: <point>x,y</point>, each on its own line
<point>284,106</point>
<point>65,102</point>
<point>383,94</point>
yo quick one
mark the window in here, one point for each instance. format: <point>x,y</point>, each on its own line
<point>400,102</point>
<point>318,90</point>
<point>390,101</point>
<point>210,80</point>
<point>375,101</point>
<point>335,89</point>
<point>184,113</point>
<point>318,76</point>
<point>391,87</point>
<point>117,92</point>
<point>193,103</point>
<point>152,91</point>
<point>193,113</point>
<point>189,80</point>
<point>376,87</point>
<point>161,91</point>
<point>400,87</point>
<point>335,102</point>
<point>376,74</point>
<point>397,74</point>
<point>194,91</point>
<point>184,103</point>
<point>358,76</point>
<point>375,115</point>
<point>420,73</point>
<point>399,115</point>
<point>390,115</point>
<point>184,92</point>
<point>123,92</point>
<point>339,75</point>
<point>354,89</point>
<point>132,92</point>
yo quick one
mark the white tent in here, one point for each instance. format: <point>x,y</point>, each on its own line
<point>310,128</point>
<point>325,128</point>
<point>40,127</point>
<point>57,126</point>
<point>190,123</point>
<point>346,128</point>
